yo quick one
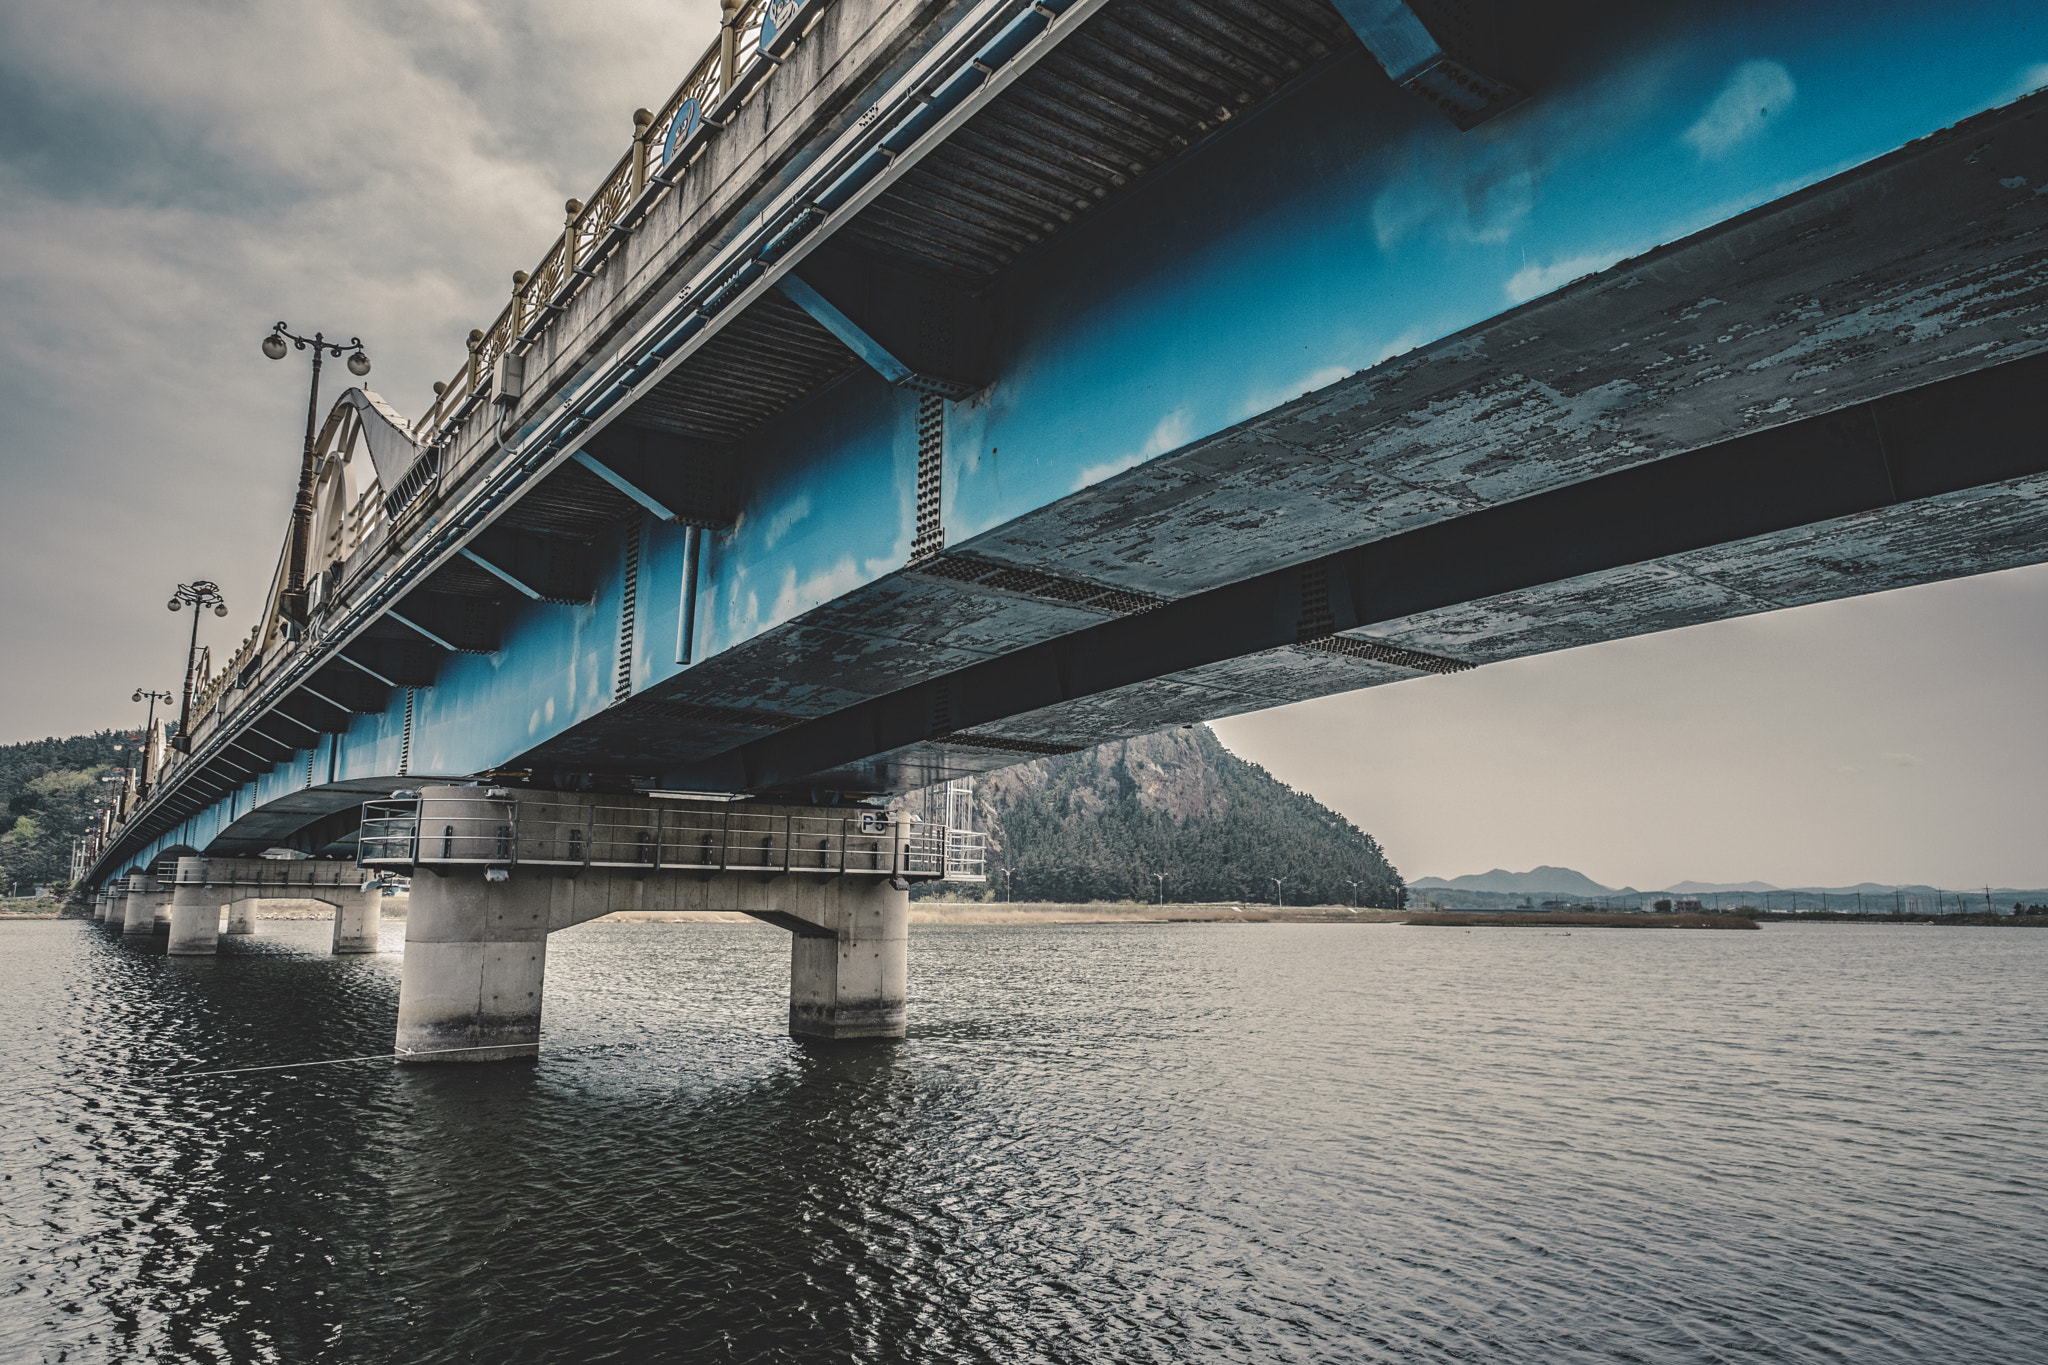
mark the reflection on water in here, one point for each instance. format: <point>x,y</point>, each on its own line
<point>1130,1143</point>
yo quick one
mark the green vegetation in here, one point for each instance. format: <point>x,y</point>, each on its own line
<point>1095,826</point>
<point>49,787</point>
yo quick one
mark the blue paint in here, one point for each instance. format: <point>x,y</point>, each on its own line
<point>1350,222</point>
<point>1343,224</point>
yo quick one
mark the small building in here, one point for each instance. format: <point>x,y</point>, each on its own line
<point>1685,905</point>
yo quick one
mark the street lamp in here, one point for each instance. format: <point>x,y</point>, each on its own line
<point>1279,896</point>
<point>302,507</point>
<point>199,594</point>
<point>1160,877</point>
<point>1354,894</point>
<point>149,728</point>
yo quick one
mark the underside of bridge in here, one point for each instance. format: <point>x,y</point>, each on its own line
<point>1204,357</point>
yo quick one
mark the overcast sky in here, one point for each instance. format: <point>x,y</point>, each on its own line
<point>176,176</point>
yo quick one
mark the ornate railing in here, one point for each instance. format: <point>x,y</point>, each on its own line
<point>665,142</point>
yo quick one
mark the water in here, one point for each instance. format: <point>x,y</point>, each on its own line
<point>1174,1143</point>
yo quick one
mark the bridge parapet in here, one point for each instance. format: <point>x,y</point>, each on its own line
<point>279,875</point>
<point>500,828</point>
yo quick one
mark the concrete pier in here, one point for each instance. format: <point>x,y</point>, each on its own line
<point>357,918</point>
<point>854,983</point>
<point>195,914</point>
<point>476,954</point>
<point>242,915</point>
<point>139,908</point>
<point>497,873</point>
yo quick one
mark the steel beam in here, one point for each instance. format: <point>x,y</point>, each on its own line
<point>473,557</point>
<point>1946,438</point>
<point>618,481</point>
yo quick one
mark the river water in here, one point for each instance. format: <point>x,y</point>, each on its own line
<point>1121,1143</point>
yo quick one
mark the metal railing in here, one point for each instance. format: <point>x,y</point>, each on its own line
<point>280,874</point>
<point>665,142</point>
<point>535,831</point>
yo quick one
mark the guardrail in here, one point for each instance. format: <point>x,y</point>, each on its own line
<point>751,35</point>
<point>529,831</point>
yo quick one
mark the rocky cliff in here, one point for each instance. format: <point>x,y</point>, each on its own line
<point>1097,825</point>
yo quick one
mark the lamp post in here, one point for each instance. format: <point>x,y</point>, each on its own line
<point>1160,877</point>
<point>1279,895</point>
<point>302,507</point>
<point>199,594</point>
<point>149,726</point>
<point>1354,894</point>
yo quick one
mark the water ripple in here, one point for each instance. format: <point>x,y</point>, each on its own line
<point>1230,1143</point>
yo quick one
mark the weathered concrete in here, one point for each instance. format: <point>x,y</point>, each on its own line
<point>476,955</point>
<point>195,917</point>
<point>139,907</point>
<point>476,934</point>
<point>357,919</point>
<point>242,915</point>
<point>476,950</point>
<point>99,907</point>
<point>856,983</point>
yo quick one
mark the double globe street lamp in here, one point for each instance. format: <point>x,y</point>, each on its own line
<point>149,729</point>
<point>276,344</point>
<point>199,594</point>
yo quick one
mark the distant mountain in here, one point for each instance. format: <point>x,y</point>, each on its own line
<point>1097,825</point>
<point>1709,888</point>
<point>1537,880</point>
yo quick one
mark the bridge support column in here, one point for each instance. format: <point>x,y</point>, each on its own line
<point>854,984</point>
<point>357,919</point>
<point>99,907</point>
<point>476,953</point>
<point>139,917</point>
<point>195,916</point>
<point>242,915</point>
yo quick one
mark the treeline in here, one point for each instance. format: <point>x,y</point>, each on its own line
<point>1097,827</point>
<point>48,791</point>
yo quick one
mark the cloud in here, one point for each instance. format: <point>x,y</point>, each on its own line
<point>1533,281</point>
<point>2026,83</point>
<point>1265,400</point>
<point>166,195</point>
<point>1901,760</point>
<point>1756,93</point>
<point>1173,432</point>
<point>795,598</point>
<point>779,525</point>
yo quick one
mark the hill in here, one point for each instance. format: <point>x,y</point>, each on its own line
<point>1096,826</point>
<point>1536,881</point>
<point>48,790</point>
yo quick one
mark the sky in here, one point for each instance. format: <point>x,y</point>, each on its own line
<point>176,177</point>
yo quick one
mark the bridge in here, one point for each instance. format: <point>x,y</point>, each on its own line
<point>931,387</point>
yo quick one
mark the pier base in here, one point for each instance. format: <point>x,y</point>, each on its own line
<point>139,909</point>
<point>195,921</point>
<point>242,916</point>
<point>853,984</point>
<point>357,919</point>
<point>476,952</point>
